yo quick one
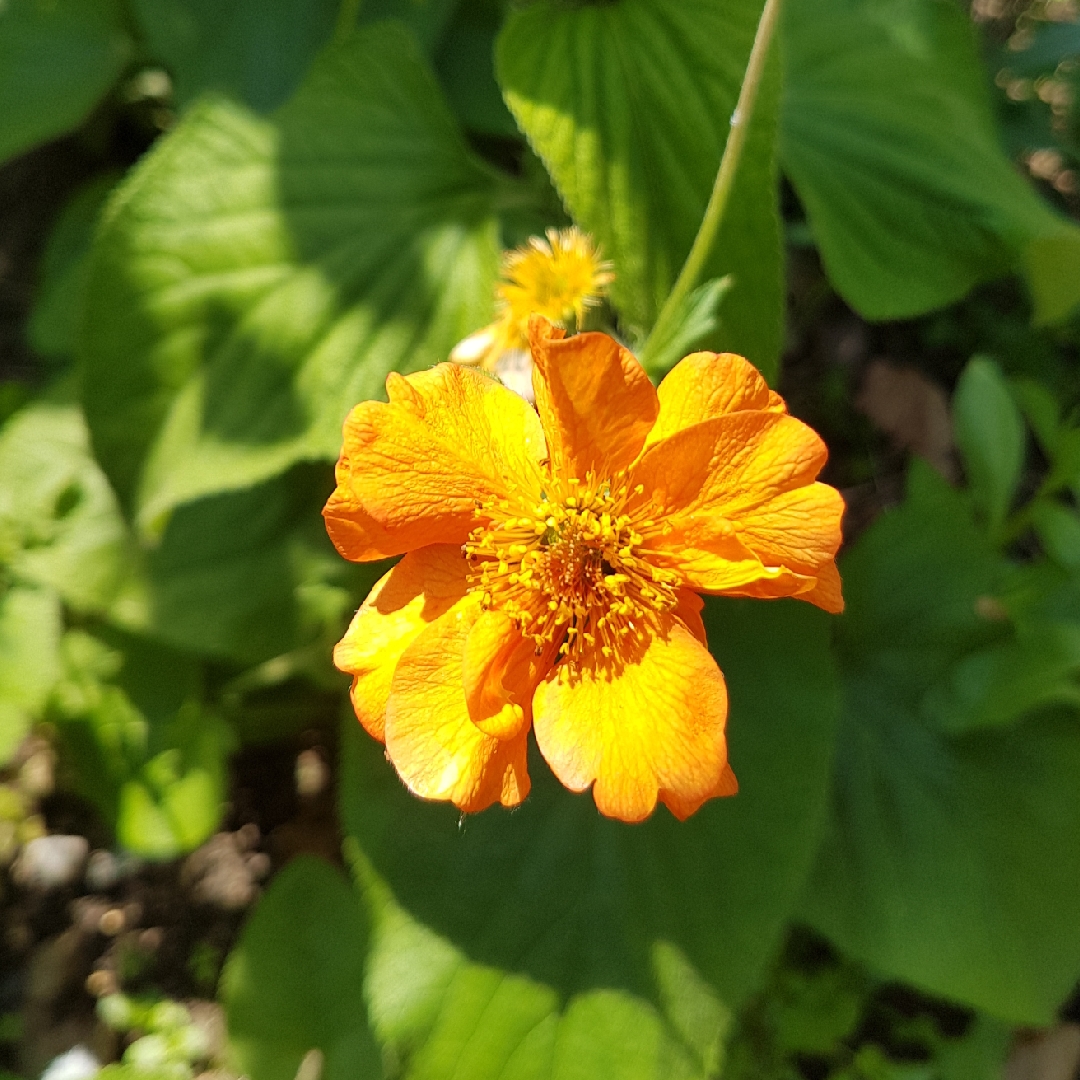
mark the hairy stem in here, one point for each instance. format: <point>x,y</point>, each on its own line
<point>690,274</point>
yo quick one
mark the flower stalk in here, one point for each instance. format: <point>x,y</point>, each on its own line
<point>690,275</point>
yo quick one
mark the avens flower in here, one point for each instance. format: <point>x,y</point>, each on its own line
<point>559,277</point>
<point>552,564</point>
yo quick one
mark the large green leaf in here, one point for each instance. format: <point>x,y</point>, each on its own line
<point>890,140</point>
<point>142,747</point>
<point>551,942</point>
<point>60,526</point>
<point>30,628</point>
<point>628,104</point>
<point>294,982</point>
<point>950,859</point>
<point>256,51</point>
<point>256,278</point>
<point>57,59</point>
<point>247,575</point>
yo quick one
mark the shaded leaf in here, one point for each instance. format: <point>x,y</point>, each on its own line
<point>294,981</point>
<point>628,104</point>
<point>308,255</point>
<point>551,942</point>
<point>991,436</point>
<point>55,315</point>
<point>256,51</point>
<point>57,60</point>
<point>890,140</point>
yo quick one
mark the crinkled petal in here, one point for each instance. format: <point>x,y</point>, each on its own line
<point>594,398</point>
<point>413,469</point>
<point>431,739</point>
<point>500,670</point>
<point>705,385</point>
<point>733,501</point>
<point>422,587</point>
<point>652,728</point>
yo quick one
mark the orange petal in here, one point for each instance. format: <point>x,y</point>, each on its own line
<point>827,593</point>
<point>734,501</point>
<point>500,670</point>
<point>424,585</point>
<point>653,728</point>
<point>595,400</point>
<point>705,385</point>
<point>434,745</point>
<point>412,470</point>
<point>688,611</point>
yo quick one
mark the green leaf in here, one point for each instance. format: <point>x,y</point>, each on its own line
<point>60,526</point>
<point>55,316</point>
<point>465,62</point>
<point>551,942</point>
<point>294,982</point>
<point>922,586</point>
<point>256,51</point>
<point>1058,530</point>
<point>694,322</point>
<point>30,628</point>
<point>143,749</point>
<point>1041,411</point>
<point>427,19</point>
<point>990,434</point>
<point>890,140</point>
<point>926,828</point>
<point>308,255</point>
<point>999,685</point>
<point>246,575</point>
<point>57,59</point>
<point>628,104</point>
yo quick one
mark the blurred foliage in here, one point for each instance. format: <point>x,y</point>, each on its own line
<point>287,201</point>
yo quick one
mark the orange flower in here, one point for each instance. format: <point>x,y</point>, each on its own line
<point>552,564</point>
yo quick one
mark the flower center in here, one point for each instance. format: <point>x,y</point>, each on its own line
<point>571,569</point>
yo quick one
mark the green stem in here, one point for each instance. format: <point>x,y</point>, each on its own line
<point>725,176</point>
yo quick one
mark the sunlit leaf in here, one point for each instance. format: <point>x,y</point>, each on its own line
<point>30,628</point>
<point>551,942</point>
<point>294,982</point>
<point>60,526</point>
<point>57,60</point>
<point>629,105</point>
<point>308,255</point>
<point>890,140</point>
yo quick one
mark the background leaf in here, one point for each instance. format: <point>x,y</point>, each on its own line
<point>30,628</point>
<point>307,256</point>
<point>294,981</point>
<point>57,60</point>
<point>948,861</point>
<point>550,942</point>
<point>60,526</point>
<point>256,51</point>
<point>891,143</point>
<point>991,436</point>
<point>628,105</point>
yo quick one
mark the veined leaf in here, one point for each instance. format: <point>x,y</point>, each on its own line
<point>889,138</point>
<point>256,278</point>
<point>949,861</point>
<point>552,943</point>
<point>628,104</point>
